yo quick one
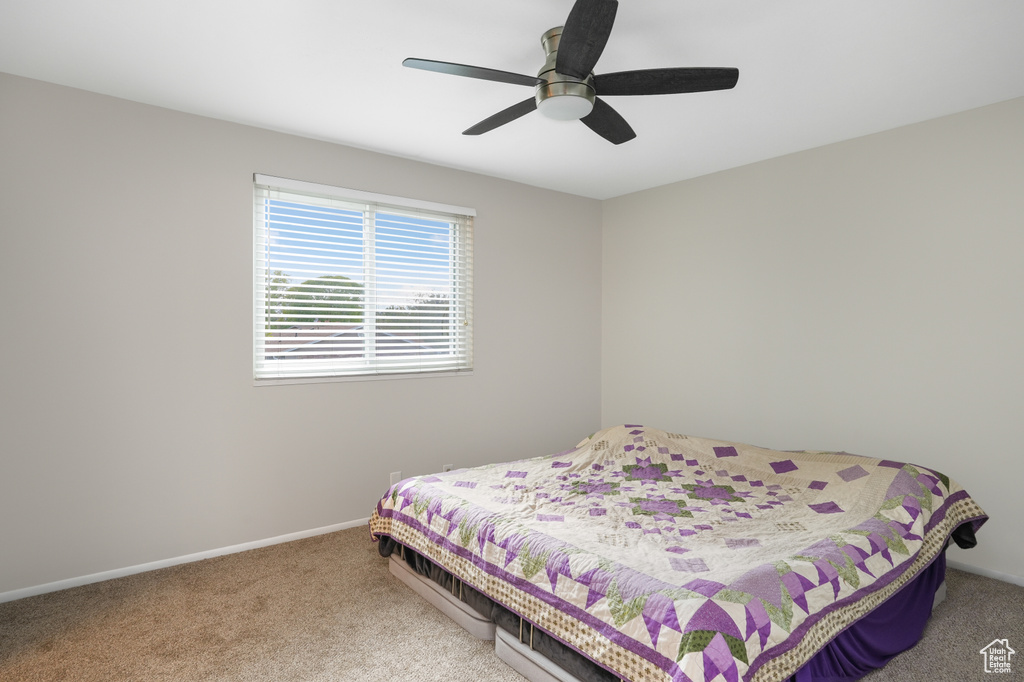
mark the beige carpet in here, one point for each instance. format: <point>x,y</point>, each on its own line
<point>326,608</point>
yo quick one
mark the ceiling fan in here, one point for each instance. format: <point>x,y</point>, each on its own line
<point>566,87</point>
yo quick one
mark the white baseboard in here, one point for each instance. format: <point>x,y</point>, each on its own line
<point>165,563</point>
<point>1005,577</point>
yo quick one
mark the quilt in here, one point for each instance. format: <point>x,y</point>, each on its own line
<point>663,556</point>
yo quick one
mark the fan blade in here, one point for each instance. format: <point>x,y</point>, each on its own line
<point>607,123</point>
<point>502,117</point>
<point>472,71</point>
<point>584,36</point>
<point>665,81</point>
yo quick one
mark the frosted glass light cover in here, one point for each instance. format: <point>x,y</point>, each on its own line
<point>566,107</point>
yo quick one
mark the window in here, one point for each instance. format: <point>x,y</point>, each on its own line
<point>352,284</point>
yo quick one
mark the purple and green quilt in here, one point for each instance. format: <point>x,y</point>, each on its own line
<point>669,557</point>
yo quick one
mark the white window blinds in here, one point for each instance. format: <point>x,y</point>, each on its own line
<point>353,284</point>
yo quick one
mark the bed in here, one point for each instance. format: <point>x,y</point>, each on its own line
<point>644,555</point>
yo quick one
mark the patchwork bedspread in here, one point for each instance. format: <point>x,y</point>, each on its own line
<point>669,557</point>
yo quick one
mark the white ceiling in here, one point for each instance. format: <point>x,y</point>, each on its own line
<point>812,72</point>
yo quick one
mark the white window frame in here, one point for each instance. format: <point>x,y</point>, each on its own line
<point>269,369</point>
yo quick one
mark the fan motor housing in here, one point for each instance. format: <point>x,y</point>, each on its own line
<point>562,97</point>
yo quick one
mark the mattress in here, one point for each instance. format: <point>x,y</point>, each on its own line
<point>661,556</point>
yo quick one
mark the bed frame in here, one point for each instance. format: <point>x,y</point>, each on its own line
<point>524,660</point>
<point>516,652</point>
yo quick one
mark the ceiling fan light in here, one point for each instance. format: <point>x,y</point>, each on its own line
<point>566,107</point>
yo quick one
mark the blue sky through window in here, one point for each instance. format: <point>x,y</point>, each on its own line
<point>413,254</point>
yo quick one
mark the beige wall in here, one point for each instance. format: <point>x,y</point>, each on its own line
<point>129,426</point>
<point>865,296</point>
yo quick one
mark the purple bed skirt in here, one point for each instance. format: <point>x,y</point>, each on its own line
<point>872,641</point>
